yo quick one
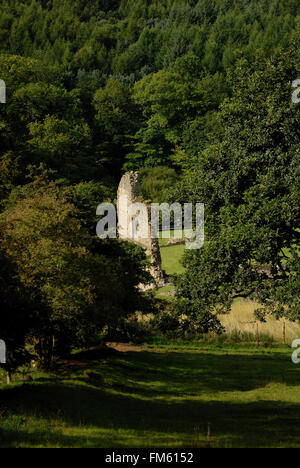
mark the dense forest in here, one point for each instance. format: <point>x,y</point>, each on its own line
<point>197,92</point>
<point>125,83</point>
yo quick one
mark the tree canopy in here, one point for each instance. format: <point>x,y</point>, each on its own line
<point>249,180</point>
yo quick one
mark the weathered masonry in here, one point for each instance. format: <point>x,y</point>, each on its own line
<point>129,193</point>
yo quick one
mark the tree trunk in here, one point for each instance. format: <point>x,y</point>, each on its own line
<point>45,351</point>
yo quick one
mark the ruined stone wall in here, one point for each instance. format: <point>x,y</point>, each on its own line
<point>129,193</point>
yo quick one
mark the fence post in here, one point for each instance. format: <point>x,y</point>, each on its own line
<point>208,436</point>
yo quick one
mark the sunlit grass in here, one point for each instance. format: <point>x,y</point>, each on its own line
<point>161,397</point>
<point>171,259</point>
<point>242,319</point>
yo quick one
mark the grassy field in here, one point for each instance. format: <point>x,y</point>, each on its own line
<point>241,319</point>
<point>171,259</point>
<point>158,397</point>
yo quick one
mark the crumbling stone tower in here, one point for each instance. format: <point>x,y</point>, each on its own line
<point>129,193</point>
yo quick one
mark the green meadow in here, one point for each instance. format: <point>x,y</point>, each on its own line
<point>171,259</point>
<point>159,396</point>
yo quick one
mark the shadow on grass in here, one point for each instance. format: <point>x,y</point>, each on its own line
<point>192,374</point>
<point>149,399</point>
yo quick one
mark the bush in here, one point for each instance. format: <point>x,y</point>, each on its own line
<point>155,181</point>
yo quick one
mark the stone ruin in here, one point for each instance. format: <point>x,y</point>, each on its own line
<point>129,193</point>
